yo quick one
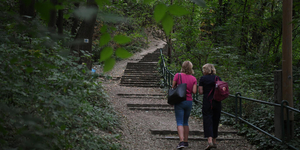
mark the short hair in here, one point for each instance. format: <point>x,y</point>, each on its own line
<point>187,67</point>
<point>209,69</point>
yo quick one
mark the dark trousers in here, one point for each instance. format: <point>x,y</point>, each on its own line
<point>211,118</point>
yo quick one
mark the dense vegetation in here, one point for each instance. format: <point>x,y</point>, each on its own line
<point>51,100</point>
<point>244,41</point>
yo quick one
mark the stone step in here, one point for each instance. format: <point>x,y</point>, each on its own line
<point>138,66</point>
<point>193,132</point>
<point>145,68</point>
<point>141,85</point>
<point>140,76</point>
<point>141,71</point>
<point>148,105</point>
<point>139,82</point>
<point>152,109</point>
<point>125,94</point>
<point>142,79</point>
<point>198,138</point>
<point>142,63</point>
<point>150,96</point>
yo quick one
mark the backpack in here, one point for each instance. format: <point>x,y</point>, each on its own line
<point>221,90</point>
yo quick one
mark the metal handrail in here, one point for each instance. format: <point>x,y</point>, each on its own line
<point>168,76</point>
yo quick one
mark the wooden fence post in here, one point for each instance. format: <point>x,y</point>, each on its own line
<point>277,99</point>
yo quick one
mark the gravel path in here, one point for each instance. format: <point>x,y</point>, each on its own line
<point>137,124</point>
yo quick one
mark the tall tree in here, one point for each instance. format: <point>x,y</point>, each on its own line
<point>75,21</point>
<point>53,16</point>
<point>27,8</point>
<point>84,37</point>
<point>60,19</point>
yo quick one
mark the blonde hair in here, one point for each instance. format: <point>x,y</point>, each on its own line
<point>187,67</point>
<point>209,69</point>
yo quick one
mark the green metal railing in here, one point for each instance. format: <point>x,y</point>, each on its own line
<point>168,79</point>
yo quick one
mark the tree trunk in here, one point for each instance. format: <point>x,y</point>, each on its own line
<point>75,22</point>
<point>27,9</point>
<point>169,42</point>
<point>84,37</point>
<point>52,20</point>
<point>243,32</point>
<point>60,21</point>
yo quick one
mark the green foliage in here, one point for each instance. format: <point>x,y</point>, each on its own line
<point>243,40</point>
<point>49,101</point>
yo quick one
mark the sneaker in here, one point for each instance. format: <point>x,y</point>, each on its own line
<point>186,144</point>
<point>180,145</point>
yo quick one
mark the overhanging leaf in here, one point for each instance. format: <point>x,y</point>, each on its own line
<point>200,2</point>
<point>104,39</point>
<point>59,7</point>
<point>102,2</point>
<point>122,39</point>
<point>122,53</point>
<point>159,12</point>
<point>43,8</point>
<point>109,64</point>
<point>85,13</point>
<point>106,53</point>
<point>178,10</point>
<point>167,23</point>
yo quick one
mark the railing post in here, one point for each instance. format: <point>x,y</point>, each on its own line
<point>286,132</point>
<point>278,99</point>
<point>236,107</point>
<point>169,76</point>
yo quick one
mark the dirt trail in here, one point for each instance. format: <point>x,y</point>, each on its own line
<point>138,124</point>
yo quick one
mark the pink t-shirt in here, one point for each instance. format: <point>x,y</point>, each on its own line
<point>190,81</point>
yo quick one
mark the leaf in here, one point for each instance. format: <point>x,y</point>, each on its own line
<point>13,60</point>
<point>102,2</point>
<point>178,10</point>
<point>122,53</point>
<point>104,39</point>
<point>106,53</point>
<point>29,69</point>
<point>167,24</point>
<point>200,2</point>
<point>147,1</point>
<point>66,16</point>
<point>59,7</point>
<point>63,127</point>
<point>109,64</point>
<point>85,13</point>
<point>103,29</point>
<point>43,8</point>
<point>159,12</point>
<point>122,39</point>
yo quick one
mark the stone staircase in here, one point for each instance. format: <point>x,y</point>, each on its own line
<point>150,121</point>
<point>143,73</point>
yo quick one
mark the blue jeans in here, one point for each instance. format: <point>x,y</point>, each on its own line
<point>182,112</point>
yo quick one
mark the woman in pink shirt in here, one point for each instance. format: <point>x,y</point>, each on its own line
<point>183,109</point>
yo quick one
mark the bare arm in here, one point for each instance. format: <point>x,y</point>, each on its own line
<point>200,90</point>
<point>174,84</point>
<point>194,88</point>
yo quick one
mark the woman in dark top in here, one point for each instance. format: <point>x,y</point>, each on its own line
<point>211,109</point>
